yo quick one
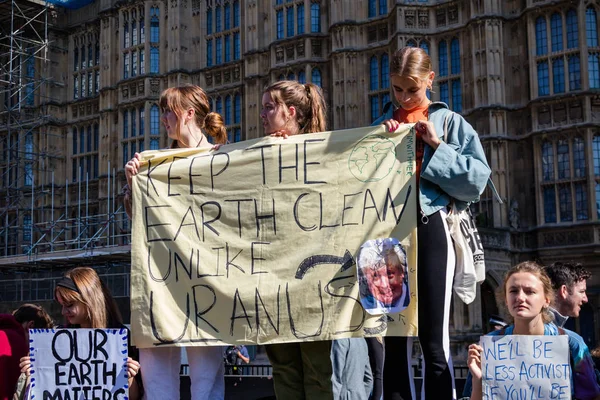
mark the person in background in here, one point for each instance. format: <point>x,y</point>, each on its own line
<point>527,293</point>
<point>300,370</point>
<point>30,316</point>
<point>352,378</point>
<point>450,169</point>
<point>14,344</point>
<point>569,284</point>
<point>236,356</point>
<point>188,120</point>
<point>87,303</point>
<point>496,323</point>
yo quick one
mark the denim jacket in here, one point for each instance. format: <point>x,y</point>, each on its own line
<point>457,169</point>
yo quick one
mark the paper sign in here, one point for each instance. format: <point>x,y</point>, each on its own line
<point>526,367</point>
<point>69,364</point>
<point>257,242</point>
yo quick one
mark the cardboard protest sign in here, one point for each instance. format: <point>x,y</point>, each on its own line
<point>69,364</point>
<point>257,242</point>
<point>526,367</point>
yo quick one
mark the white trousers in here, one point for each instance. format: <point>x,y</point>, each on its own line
<point>160,372</point>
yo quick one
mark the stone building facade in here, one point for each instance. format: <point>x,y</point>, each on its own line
<point>524,73</point>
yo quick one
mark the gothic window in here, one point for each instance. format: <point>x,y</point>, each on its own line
<point>219,105</point>
<point>302,77</point>
<point>564,187</point>
<point>300,18</point>
<point>594,70</point>
<point>454,57</point>
<point>377,7</point>
<point>154,25</point>
<point>85,68</point>
<point>135,41</point>
<point>227,48</point>
<point>450,84</point>
<point>279,24</point>
<point>227,12</point>
<point>84,159</point>
<point>541,36</point>
<point>572,30</point>
<point>382,7</point>
<point>236,46</point>
<point>558,75</point>
<point>374,72</point>
<point>591,27</point>
<point>379,84</point>
<point>543,79</point>
<point>556,32</point>
<point>219,50</point>
<point>574,72</point>
<point>315,17</point>
<point>237,118</point>
<point>218,20</point>
<point>154,60</point>
<point>236,14</point>
<point>290,21</point>
<point>547,161</point>
<point>443,58</point>
<point>133,138</point>
<point>316,76</point>
<point>209,53</point>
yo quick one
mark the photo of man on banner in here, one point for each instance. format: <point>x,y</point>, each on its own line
<point>383,277</point>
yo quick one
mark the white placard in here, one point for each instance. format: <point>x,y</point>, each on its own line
<point>526,367</point>
<point>87,364</point>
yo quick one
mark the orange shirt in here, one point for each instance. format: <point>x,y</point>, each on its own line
<point>410,117</point>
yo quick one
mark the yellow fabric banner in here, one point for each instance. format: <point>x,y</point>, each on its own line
<point>276,240</point>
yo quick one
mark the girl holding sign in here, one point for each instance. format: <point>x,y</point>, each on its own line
<point>87,303</point>
<point>300,370</point>
<point>527,293</point>
<point>187,119</point>
<point>448,169</point>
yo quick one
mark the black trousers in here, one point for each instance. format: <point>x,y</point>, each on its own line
<point>376,358</point>
<point>435,274</point>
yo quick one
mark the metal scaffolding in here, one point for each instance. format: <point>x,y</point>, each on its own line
<point>46,220</point>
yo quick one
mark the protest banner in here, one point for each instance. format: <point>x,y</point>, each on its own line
<point>526,367</point>
<point>256,242</point>
<point>69,364</point>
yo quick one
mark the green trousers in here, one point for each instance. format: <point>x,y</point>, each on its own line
<point>301,371</point>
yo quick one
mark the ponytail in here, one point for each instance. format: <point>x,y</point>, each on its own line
<point>215,127</point>
<point>308,100</point>
<point>316,121</point>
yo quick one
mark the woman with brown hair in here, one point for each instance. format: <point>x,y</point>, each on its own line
<point>300,370</point>
<point>87,303</point>
<point>527,294</point>
<point>188,121</point>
